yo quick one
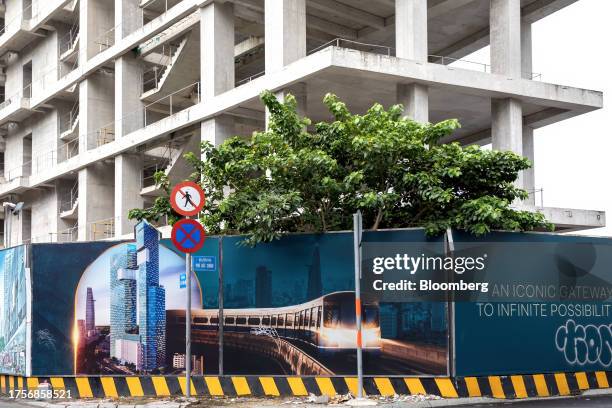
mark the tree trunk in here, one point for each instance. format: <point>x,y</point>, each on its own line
<point>379,216</point>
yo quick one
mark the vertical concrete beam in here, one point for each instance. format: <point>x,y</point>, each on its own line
<point>411,29</point>
<point>415,98</point>
<point>96,109</point>
<point>129,114</point>
<point>129,111</point>
<point>529,174</point>
<point>285,33</point>
<point>505,34</point>
<point>128,17</point>
<point>526,50</point>
<point>217,130</point>
<point>507,127</point>
<point>128,174</point>
<point>216,49</point>
<point>96,200</point>
<point>300,92</point>
<point>96,21</point>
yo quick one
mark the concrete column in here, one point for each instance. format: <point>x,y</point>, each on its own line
<point>128,174</point>
<point>507,127</point>
<point>505,34</point>
<point>96,21</point>
<point>415,98</point>
<point>526,50</point>
<point>129,111</point>
<point>216,48</point>
<point>411,29</point>
<point>96,109</point>
<point>96,200</point>
<point>129,115</point>
<point>128,17</point>
<point>529,174</point>
<point>217,130</point>
<point>300,92</point>
<point>285,32</point>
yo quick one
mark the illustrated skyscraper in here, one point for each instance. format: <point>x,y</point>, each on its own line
<point>315,287</point>
<point>13,302</point>
<point>151,298</point>
<point>90,311</point>
<point>263,287</point>
<point>123,323</point>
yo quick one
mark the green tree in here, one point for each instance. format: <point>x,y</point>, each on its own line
<point>295,177</point>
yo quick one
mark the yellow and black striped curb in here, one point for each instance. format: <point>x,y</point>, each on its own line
<point>514,386</point>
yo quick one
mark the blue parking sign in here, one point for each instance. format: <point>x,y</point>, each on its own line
<point>204,263</point>
<point>183,281</point>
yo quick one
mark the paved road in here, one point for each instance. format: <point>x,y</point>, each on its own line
<point>599,401</point>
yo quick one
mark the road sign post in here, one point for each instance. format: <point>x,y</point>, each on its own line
<point>187,199</point>
<point>357,225</point>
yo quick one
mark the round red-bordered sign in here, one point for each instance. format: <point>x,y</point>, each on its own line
<point>187,198</point>
<point>188,235</point>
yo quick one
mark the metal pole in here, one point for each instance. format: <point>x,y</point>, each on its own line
<point>449,249</point>
<point>220,305</point>
<point>188,326</point>
<point>357,255</point>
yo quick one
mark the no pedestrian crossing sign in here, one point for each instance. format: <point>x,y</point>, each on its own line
<point>187,198</point>
<point>188,236</point>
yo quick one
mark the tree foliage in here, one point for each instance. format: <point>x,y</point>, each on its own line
<point>393,169</point>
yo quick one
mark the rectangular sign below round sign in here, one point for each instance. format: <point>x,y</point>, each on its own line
<point>188,236</point>
<point>183,281</point>
<point>205,263</point>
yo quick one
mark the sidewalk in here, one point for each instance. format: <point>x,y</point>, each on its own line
<point>398,401</point>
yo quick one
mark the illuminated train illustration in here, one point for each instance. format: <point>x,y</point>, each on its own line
<point>327,322</point>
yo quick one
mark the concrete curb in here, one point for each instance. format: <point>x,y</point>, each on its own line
<point>514,386</point>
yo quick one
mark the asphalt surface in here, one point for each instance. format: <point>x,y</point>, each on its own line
<point>590,401</point>
<point>598,401</point>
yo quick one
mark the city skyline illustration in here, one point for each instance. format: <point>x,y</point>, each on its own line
<point>294,270</point>
<point>97,277</point>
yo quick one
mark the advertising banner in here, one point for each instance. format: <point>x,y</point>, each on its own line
<point>546,308</point>
<point>13,309</point>
<point>118,308</point>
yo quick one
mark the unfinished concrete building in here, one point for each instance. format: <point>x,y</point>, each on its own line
<point>100,94</point>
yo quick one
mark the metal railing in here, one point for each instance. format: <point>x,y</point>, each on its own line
<point>102,229</point>
<point>17,20</point>
<point>170,150</point>
<point>355,45</point>
<point>68,202</point>
<point>106,39</point>
<point>105,135</point>
<point>170,104</point>
<point>148,172</point>
<point>23,170</point>
<point>165,106</point>
<point>68,150</point>
<point>69,39</point>
<point>66,68</point>
<point>152,77</point>
<point>25,92</point>
<point>435,59</point>
<point>176,27</point>
<point>148,4</point>
<point>534,194</point>
<point>249,79</point>
<point>67,121</point>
